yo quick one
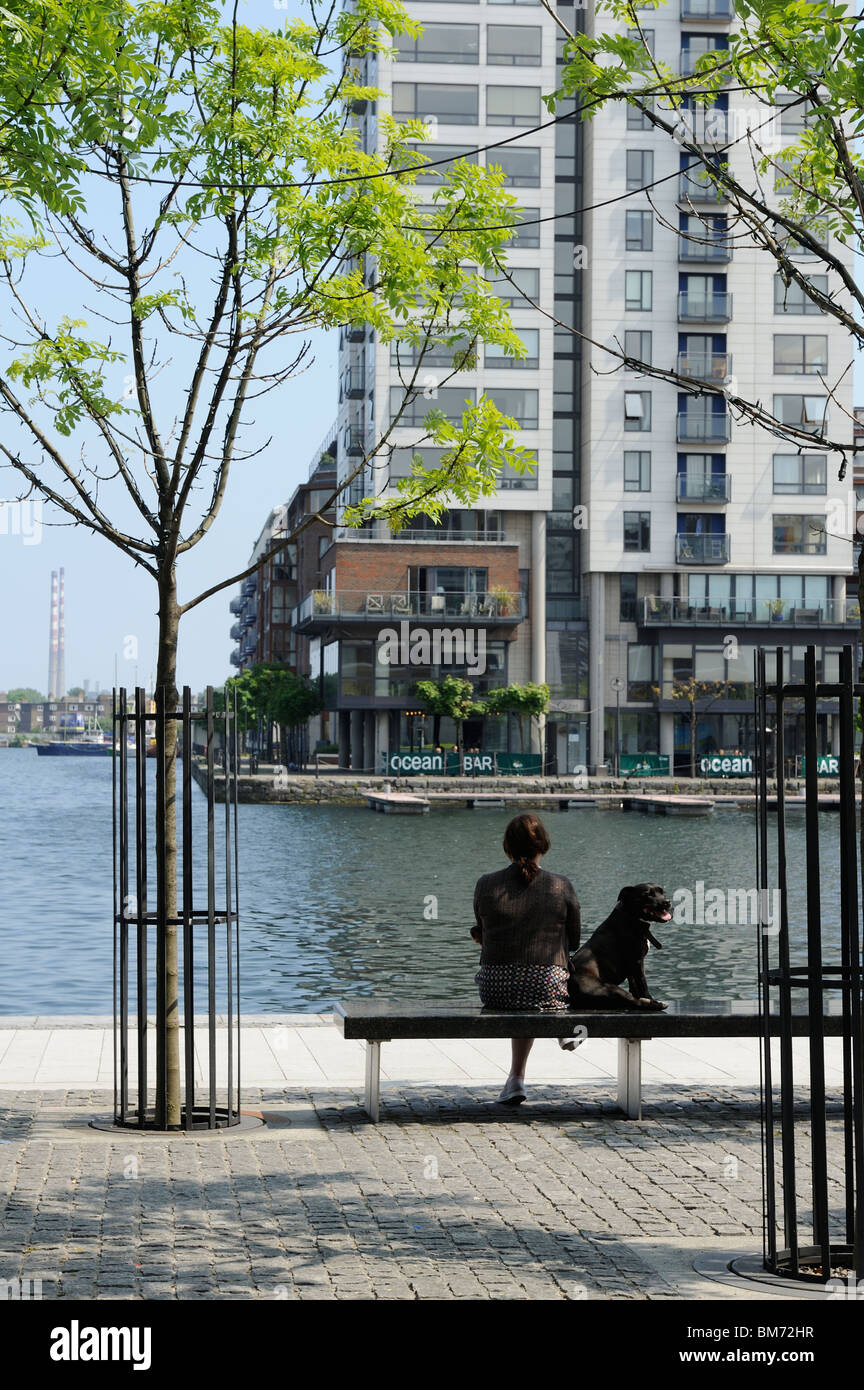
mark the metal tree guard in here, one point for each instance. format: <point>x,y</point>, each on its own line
<point>819,1240</point>
<point>208,963</point>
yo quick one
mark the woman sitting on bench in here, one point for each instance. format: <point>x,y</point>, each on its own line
<point>527,924</point>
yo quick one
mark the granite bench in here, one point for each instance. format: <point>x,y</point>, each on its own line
<point>376,1021</point>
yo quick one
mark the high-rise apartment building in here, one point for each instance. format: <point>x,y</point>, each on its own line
<point>659,539</point>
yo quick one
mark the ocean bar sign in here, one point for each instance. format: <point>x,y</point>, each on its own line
<point>727,765</point>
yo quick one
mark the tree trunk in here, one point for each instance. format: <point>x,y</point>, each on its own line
<point>860,675</point>
<point>168,1046</point>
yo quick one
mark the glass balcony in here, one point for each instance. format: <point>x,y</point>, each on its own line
<point>705,366</point>
<point>707,11</point>
<point>717,488</point>
<point>320,608</point>
<point>659,610</point>
<point>703,125</point>
<point>354,384</point>
<point>699,428</point>
<point>696,186</point>
<point>354,445</point>
<point>702,550</point>
<point>704,308</point>
<point>708,250</point>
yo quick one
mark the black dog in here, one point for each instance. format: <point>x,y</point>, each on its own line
<point>617,951</point>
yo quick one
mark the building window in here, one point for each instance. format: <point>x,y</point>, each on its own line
<point>810,413</point>
<point>636,118</point>
<point>452,401</point>
<point>627,599</point>
<point>526,232</point>
<point>402,461</point>
<point>518,106</point>
<point>800,473</point>
<point>791,299</point>
<point>799,535</point>
<point>637,470</point>
<point>637,410</point>
<point>795,249</point>
<point>520,405</point>
<point>522,285</point>
<point>794,114</point>
<point>638,290</point>
<point>450,103</point>
<point>511,477</point>
<point>638,230</point>
<point>514,45</point>
<point>442,159</point>
<point>637,344</point>
<point>441,43</point>
<point>639,169</point>
<point>521,166</point>
<point>560,560</point>
<point>646,38</point>
<point>800,354</point>
<point>641,670</point>
<point>637,531</point>
<point>495,356</point>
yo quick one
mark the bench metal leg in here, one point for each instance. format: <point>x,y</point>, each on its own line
<point>630,1077</point>
<point>372,1101</point>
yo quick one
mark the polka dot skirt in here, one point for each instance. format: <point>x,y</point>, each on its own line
<point>516,986</point>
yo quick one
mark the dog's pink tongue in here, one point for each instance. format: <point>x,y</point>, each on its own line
<point>666,917</point>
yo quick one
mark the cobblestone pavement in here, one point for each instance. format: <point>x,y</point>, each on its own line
<point>563,1199</point>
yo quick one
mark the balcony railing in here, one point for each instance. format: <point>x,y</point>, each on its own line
<point>704,308</point>
<point>709,250</point>
<point>756,611</point>
<point>696,186</point>
<point>321,608</point>
<point>446,534</point>
<point>354,445</point>
<point>703,125</point>
<point>699,429</point>
<point>714,489</point>
<point>707,11</point>
<point>702,550</point>
<point>354,384</point>
<point>705,366</point>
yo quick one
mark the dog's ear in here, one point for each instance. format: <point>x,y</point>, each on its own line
<point>627,893</point>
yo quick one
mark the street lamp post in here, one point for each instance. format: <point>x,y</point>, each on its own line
<point>617,685</point>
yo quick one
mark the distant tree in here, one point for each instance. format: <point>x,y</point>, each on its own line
<point>24,694</point>
<point>699,696</point>
<point>452,698</point>
<point>77,692</point>
<point>529,701</point>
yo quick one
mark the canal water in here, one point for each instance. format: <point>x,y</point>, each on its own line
<point>336,901</point>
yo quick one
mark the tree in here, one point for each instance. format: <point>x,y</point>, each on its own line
<point>529,701</point>
<point>292,700</point>
<point>25,694</point>
<point>453,698</point>
<point>237,212</point>
<point>699,697</point>
<point>75,693</point>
